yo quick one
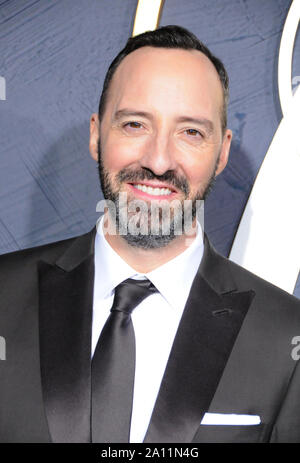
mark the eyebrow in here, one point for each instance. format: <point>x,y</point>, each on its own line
<point>131,113</point>
<point>208,124</point>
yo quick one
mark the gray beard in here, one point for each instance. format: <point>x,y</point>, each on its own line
<point>123,219</point>
<point>153,229</point>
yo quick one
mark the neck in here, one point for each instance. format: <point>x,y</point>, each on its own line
<point>146,260</point>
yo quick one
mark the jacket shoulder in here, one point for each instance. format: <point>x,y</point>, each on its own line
<point>269,296</point>
<point>22,261</point>
<point>272,292</point>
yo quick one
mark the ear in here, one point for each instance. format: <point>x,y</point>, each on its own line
<point>223,159</point>
<point>94,135</point>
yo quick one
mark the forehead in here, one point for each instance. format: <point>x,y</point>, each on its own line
<point>166,78</point>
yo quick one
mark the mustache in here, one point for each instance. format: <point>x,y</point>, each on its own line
<point>134,176</point>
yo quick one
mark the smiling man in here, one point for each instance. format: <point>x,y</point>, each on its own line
<point>139,331</point>
<point>161,139</point>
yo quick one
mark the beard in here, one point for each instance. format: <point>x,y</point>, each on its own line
<point>157,226</point>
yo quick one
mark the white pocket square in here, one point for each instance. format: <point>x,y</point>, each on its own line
<point>230,419</point>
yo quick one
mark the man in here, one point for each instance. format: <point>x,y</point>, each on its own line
<point>211,342</point>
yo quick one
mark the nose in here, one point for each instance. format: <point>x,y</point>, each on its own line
<point>159,155</point>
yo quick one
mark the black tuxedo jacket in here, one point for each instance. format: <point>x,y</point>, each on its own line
<point>231,353</point>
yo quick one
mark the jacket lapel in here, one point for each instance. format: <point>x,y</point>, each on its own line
<point>208,329</point>
<point>65,317</point>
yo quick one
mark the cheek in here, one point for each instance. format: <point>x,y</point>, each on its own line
<point>199,173</point>
<point>119,153</point>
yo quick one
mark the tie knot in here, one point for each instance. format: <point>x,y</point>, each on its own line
<point>130,293</point>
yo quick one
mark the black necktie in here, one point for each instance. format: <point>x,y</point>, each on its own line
<point>113,365</point>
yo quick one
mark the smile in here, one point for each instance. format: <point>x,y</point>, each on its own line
<point>152,191</point>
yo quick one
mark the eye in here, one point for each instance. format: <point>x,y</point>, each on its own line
<point>193,133</point>
<point>132,125</point>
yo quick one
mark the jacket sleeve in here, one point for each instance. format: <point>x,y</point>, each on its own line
<point>287,425</point>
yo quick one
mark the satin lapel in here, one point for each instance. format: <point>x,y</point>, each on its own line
<point>65,318</point>
<point>209,326</point>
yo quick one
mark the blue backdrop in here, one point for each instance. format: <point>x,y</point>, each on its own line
<point>53,56</point>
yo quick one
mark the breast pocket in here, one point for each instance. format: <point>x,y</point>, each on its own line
<point>230,433</point>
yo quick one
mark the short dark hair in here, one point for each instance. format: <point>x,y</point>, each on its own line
<point>167,37</point>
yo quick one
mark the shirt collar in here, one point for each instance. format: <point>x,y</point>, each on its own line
<point>172,279</point>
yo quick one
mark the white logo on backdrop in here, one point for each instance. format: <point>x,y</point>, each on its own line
<point>268,238</point>
<point>2,88</point>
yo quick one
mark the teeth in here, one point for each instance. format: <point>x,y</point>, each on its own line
<point>153,191</point>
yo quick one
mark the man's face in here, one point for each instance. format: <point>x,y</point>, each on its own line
<point>160,136</point>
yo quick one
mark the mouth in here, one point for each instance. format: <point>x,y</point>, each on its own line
<point>150,190</point>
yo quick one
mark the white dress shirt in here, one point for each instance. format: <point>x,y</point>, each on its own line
<point>155,319</point>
